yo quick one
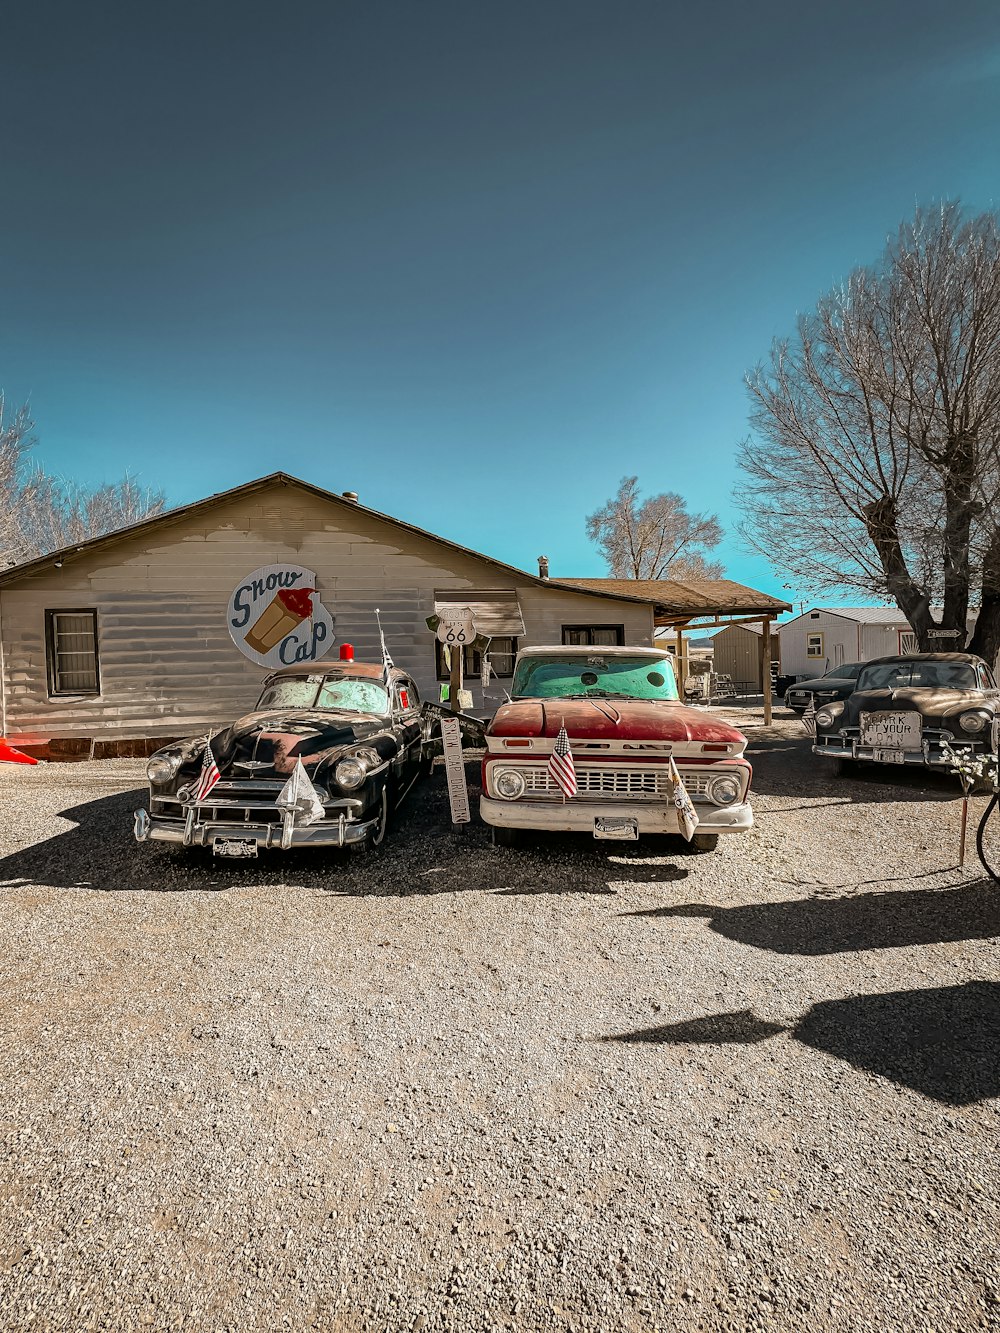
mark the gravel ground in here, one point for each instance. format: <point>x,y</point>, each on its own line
<point>570,1086</point>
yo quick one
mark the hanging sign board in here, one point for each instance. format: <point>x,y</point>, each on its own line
<point>275,617</point>
<point>944,633</point>
<point>454,767</point>
<point>455,626</point>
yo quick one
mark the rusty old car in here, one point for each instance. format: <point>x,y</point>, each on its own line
<point>363,740</point>
<point>624,724</point>
<point>911,709</point>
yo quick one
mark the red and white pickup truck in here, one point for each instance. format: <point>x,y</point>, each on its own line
<point>624,723</point>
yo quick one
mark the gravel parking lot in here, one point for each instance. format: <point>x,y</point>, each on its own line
<point>570,1086</point>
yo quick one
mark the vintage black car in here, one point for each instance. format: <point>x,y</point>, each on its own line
<point>907,710</point>
<point>363,742</point>
<point>838,683</point>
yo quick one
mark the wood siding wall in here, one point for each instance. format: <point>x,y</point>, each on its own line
<point>168,665</point>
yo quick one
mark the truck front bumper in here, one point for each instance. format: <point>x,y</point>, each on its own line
<point>576,816</point>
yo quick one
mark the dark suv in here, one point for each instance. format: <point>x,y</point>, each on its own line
<point>838,683</point>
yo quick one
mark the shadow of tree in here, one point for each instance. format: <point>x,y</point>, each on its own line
<point>943,1043</point>
<point>891,920</point>
<point>420,855</point>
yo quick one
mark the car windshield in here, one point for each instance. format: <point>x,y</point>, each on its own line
<point>846,671</point>
<point>893,675</point>
<point>316,691</point>
<point>593,676</point>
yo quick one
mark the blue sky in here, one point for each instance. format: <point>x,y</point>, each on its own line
<point>475,261</point>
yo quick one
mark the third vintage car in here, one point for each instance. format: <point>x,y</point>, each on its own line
<point>356,733</point>
<point>911,710</point>
<point>623,725</point>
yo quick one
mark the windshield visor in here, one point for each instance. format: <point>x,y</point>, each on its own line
<point>592,676</point>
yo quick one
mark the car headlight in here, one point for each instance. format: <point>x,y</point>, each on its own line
<point>162,767</point>
<point>826,717</point>
<point>509,784</point>
<point>972,722</point>
<point>724,790</point>
<point>350,773</point>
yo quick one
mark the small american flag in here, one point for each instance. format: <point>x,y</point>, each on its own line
<point>209,775</point>
<point>809,716</point>
<point>561,765</point>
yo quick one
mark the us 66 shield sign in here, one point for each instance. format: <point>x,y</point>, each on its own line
<point>455,626</point>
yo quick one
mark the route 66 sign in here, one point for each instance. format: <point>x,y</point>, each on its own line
<point>455,626</point>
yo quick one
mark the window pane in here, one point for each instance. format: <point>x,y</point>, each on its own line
<point>606,636</point>
<point>73,652</point>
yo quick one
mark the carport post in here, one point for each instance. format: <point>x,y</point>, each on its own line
<point>765,668</point>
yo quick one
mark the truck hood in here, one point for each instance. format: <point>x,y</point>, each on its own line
<point>612,720</point>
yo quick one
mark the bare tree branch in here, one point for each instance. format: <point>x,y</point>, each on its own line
<point>655,538</point>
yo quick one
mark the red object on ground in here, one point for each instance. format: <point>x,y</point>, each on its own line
<point>347,652</point>
<point>12,756</point>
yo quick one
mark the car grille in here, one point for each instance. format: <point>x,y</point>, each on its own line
<point>249,802</point>
<point>621,781</point>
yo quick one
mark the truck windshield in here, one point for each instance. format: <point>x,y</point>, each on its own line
<point>592,676</point>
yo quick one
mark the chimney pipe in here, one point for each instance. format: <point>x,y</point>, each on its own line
<point>543,566</point>
<point>350,495</point>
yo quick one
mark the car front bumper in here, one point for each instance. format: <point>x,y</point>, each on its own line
<point>192,832</point>
<point>928,756</point>
<point>576,816</point>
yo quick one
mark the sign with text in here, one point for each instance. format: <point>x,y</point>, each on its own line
<point>455,626</point>
<point>454,767</point>
<point>276,618</point>
<point>944,633</point>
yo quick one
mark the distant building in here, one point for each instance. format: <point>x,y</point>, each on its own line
<point>827,637</point>
<point>737,655</point>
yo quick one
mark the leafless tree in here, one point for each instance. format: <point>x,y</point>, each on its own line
<point>40,512</point>
<point>655,538</point>
<point>875,459</point>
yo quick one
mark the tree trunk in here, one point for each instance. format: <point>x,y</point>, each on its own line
<point>986,636</point>
<point>959,507</point>
<point>880,520</point>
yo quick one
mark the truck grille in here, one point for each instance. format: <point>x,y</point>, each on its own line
<point>621,781</point>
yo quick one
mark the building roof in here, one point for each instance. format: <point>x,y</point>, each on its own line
<point>674,598</point>
<point>867,615</point>
<point>248,488</point>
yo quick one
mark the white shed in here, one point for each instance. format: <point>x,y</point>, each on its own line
<point>827,637</point>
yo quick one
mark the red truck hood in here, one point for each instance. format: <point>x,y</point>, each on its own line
<point>612,720</point>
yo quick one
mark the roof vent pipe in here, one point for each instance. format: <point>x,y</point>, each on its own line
<point>350,495</point>
<point>543,566</point>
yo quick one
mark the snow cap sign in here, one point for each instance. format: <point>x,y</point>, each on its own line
<point>276,618</point>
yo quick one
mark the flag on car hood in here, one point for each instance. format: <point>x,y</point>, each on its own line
<point>301,797</point>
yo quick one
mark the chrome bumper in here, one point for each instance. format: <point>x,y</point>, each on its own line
<point>578,816</point>
<point>924,757</point>
<point>340,832</point>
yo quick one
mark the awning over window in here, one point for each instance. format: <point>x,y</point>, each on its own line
<point>495,613</point>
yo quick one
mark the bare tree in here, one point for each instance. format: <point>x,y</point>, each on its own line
<point>40,512</point>
<point>655,538</point>
<point>874,465</point>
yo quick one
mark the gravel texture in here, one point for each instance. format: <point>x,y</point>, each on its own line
<point>571,1086</point>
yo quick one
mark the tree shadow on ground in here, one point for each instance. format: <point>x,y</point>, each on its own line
<point>943,1043</point>
<point>421,855</point>
<point>891,920</point>
<point>786,766</point>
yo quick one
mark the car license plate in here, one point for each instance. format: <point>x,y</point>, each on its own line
<point>889,756</point>
<point>625,829</point>
<point>892,731</point>
<point>237,848</point>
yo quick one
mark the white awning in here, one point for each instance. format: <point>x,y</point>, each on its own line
<point>495,612</point>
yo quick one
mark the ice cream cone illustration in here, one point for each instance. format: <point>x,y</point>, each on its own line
<point>288,609</point>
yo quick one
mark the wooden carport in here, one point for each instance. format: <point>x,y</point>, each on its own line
<point>713,603</point>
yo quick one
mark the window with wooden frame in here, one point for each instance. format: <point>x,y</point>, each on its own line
<point>71,652</point>
<point>501,652</point>
<point>814,644</point>
<point>605,636</point>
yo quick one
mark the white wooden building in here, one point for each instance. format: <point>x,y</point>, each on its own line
<point>147,633</point>
<point>826,637</point>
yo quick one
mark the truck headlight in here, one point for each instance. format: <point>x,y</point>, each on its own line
<point>350,773</point>
<point>509,784</point>
<point>162,767</point>
<point>724,790</point>
<point>972,722</point>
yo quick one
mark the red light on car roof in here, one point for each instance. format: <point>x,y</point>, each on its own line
<point>347,652</point>
<point>715,749</point>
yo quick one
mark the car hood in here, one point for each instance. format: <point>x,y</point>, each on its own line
<point>824,683</point>
<point>611,720</point>
<point>269,744</point>
<point>932,702</point>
